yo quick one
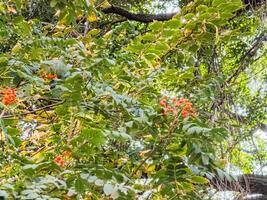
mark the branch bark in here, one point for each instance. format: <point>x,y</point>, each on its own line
<point>246,183</point>
<point>141,17</point>
<point>146,18</point>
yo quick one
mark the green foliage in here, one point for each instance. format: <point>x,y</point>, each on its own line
<point>87,122</point>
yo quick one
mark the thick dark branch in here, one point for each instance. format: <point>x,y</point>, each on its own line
<point>146,18</point>
<point>247,184</point>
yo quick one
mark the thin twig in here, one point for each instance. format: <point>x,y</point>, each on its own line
<point>33,111</point>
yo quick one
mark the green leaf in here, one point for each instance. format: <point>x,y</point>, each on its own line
<point>93,136</point>
<point>12,131</point>
<point>148,37</point>
<point>189,16</point>
<point>232,7</point>
<point>3,60</point>
<point>173,147</point>
<point>162,46</point>
<point>173,24</point>
<point>156,26</point>
<point>22,27</point>
<point>186,186</point>
<point>216,3</point>
<point>80,185</point>
<point>202,8</point>
<point>199,180</point>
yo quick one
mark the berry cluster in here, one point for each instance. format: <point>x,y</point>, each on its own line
<point>9,96</point>
<point>51,76</point>
<point>174,107</point>
<point>59,161</point>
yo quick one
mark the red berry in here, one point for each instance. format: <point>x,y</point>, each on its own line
<point>51,76</point>
<point>59,161</point>
<point>9,96</point>
<point>177,104</point>
<point>163,102</point>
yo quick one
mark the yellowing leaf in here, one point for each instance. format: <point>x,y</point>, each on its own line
<point>2,136</point>
<point>16,48</point>
<point>108,35</point>
<point>92,17</point>
<point>142,154</point>
<point>58,34</point>
<point>30,117</point>
<point>150,168</point>
<point>199,180</point>
<point>60,27</point>
<point>105,4</point>
<point>94,32</point>
<point>187,32</point>
<point>148,138</point>
<point>2,7</point>
<point>68,30</point>
<point>39,156</point>
<point>223,162</point>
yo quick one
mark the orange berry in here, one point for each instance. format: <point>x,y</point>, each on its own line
<point>163,102</point>
<point>184,115</point>
<point>189,104</point>
<point>186,108</point>
<point>177,104</point>
<point>9,96</point>
<point>51,76</point>
<point>184,100</point>
<point>59,161</point>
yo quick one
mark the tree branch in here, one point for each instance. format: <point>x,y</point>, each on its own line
<point>246,183</point>
<point>32,111</point>
<point>250,53</point>
<point>146,18</point>
<point>243,61</point>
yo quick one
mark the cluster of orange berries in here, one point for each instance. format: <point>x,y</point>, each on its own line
<point>59,161</point>
<point>51,76</point>
<point>9,96</point>
<point>175,106</point>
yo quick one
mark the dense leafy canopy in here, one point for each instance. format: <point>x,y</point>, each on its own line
<point>95,106</point>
